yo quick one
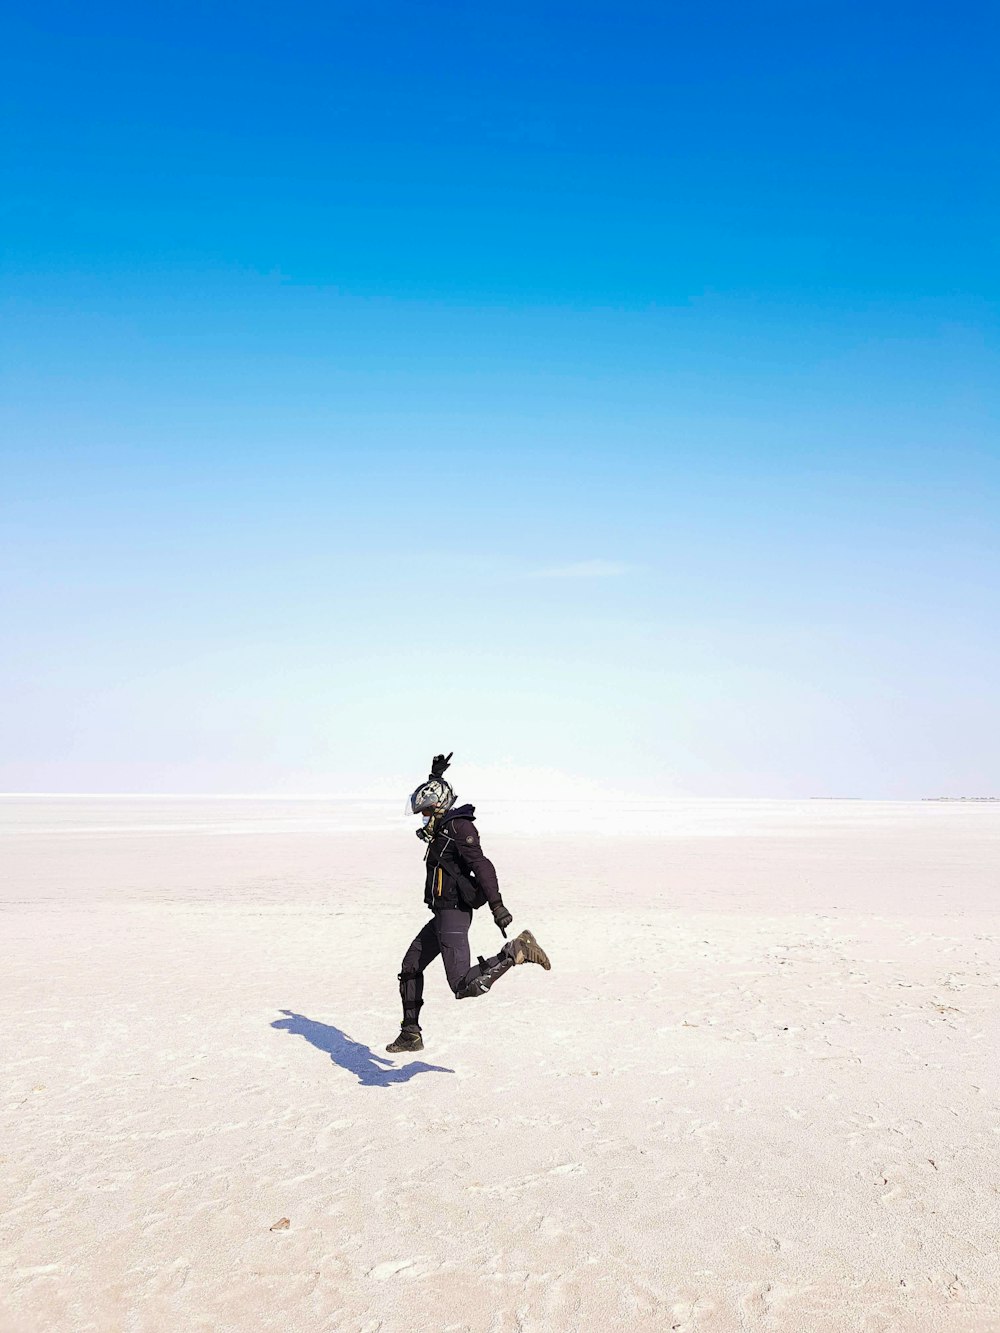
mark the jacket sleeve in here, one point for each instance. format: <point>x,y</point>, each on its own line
<point>471,854</point>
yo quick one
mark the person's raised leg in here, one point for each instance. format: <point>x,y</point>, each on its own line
<point>524,948</point>
<point>453,935</point>
<point>422,951</point>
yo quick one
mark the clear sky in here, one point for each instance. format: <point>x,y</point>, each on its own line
<point>607,391</point>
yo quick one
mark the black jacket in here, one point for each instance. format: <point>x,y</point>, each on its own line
<point>458,872</point>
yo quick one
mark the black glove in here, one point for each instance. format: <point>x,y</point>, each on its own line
<point>501,916</point>
<point>441,762</point>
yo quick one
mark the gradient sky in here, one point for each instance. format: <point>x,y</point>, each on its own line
<point>601,391</point>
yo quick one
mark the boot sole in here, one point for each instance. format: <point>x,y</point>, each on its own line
<point>528,942</point>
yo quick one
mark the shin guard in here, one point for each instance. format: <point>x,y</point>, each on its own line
<point>411,992</point>
<point>481,978</point>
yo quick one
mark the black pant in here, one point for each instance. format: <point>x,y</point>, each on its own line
<point>447,934</point>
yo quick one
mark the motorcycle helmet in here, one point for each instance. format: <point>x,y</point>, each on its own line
<point>432,797</point>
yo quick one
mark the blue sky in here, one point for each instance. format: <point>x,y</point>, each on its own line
<point>603,391</point>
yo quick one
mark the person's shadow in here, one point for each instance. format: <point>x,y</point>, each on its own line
<point>351,1055</point>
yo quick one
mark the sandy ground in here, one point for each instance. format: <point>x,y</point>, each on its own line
<point>759,1089</point>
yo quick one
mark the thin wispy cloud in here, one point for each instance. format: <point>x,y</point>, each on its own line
<point>584,569</point>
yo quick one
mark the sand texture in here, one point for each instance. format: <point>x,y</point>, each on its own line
<point>759,1090</point>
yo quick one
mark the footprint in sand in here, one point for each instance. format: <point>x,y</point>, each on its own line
<point>411,1267</point>
<point>686,1315</point>
<point>765,1300</point>
<point>382,1272</point>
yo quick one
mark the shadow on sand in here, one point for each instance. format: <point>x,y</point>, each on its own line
<point>373,1071</point>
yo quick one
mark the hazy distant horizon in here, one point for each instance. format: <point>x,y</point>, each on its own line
<point>385,794</point>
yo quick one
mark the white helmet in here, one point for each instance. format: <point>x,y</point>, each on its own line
<point>432,797</point>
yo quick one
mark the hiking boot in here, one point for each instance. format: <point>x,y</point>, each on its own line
<point>524,948</point>
<point>409,1039</point>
